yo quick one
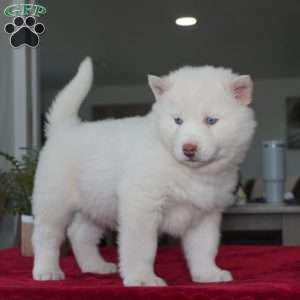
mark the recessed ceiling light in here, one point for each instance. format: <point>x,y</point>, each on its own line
<point>186,21</point>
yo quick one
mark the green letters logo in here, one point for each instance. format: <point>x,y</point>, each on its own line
<point>16,10</point>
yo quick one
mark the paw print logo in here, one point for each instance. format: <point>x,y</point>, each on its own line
<point>24,31</point>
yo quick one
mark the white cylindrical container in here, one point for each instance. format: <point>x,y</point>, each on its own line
<point>274,153</point>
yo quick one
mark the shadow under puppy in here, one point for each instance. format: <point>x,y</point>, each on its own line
<point>173,170</point>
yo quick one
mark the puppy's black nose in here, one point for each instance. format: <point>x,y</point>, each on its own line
<point>189,150</point>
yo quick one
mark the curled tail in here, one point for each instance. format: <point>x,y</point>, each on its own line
<point>64,110</point>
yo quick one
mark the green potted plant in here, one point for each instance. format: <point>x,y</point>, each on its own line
<point>16,185</point>
<point>9,223</point>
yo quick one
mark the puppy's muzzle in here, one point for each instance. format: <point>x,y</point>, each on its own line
<point>189,150</point>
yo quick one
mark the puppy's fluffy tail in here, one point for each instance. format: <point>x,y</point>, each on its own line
<point>63,113</point>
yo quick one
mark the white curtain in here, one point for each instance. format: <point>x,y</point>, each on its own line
<point>19,109</point>
<point>6,88</point>
<point>19,93</point>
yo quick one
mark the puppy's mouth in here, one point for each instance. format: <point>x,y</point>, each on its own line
<point>192,159</point>
<point>198,162</point>
<point>197,159</point>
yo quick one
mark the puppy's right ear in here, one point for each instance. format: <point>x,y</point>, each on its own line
<point>242,88</point>
<point>158,85</point>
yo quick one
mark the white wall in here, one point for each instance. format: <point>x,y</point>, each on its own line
<point>269,105</point>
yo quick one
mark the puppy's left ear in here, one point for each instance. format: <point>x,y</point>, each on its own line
<point>158,85</point>
<point>242,88</point>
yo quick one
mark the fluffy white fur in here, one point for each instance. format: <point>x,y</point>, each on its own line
<point>132,174</point>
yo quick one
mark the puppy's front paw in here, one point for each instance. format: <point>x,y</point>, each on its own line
<point>144,280</point>
<point>48,274</point>
<point>213,275</point>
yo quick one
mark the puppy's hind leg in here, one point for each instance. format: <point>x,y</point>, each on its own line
<point>48,234</point>
<point>84,236</point>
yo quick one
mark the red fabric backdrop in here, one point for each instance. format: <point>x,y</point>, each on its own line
<point>261,273</point>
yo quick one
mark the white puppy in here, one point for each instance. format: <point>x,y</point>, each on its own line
<point>172,171</point>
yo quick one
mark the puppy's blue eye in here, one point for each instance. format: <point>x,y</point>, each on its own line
<point>211,120</point>
<point>178,121</point>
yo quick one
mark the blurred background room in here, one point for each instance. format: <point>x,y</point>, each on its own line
<point>128,40</point>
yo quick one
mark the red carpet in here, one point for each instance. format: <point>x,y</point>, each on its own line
<point>261,273</point>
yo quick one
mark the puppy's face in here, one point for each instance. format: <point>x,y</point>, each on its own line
<point>203,114</point>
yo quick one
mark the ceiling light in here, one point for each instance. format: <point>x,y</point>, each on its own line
<point>186,21</point>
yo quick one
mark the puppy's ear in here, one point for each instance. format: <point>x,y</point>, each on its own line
<point>158,85</point>
<point>242,88</point>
